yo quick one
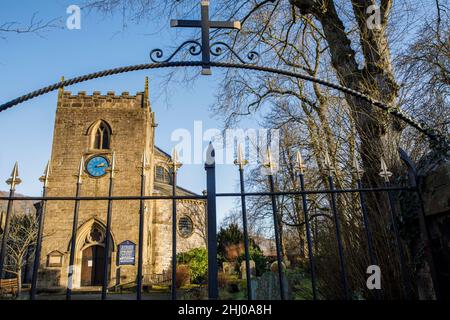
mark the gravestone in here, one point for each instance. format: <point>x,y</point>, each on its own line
<point>228,267</point>
<point>267,287</point>
<point>244,271</point>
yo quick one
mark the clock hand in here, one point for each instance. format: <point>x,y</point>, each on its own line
<point>100,165</point>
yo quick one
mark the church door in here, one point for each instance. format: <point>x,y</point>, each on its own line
<point>92,266</point>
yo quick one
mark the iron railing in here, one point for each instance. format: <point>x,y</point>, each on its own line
<point>211,196</point>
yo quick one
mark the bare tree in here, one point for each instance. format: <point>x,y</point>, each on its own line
<point>196,211</point>
<point>34,26</point>
<point>22,237</point>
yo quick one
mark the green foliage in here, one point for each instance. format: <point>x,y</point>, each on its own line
<point>232,235</point>
<point>228,236</point>
<point>197,260</point>
<point>256,255</point>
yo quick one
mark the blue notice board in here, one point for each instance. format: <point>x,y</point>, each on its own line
<point>127,253</point>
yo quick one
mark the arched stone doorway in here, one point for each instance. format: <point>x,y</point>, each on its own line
<point>90,254</point>
<point>92,263</point>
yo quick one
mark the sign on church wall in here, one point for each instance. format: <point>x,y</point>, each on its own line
<point>127,253</point>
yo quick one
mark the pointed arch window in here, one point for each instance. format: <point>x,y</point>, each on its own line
<point>162,175</point>
<point>101,136</point>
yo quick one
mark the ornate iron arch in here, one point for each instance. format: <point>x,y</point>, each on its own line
<point>430,133</point>
<point>217,49</point>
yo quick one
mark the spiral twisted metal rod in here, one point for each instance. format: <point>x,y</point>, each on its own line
<point>434,136</point>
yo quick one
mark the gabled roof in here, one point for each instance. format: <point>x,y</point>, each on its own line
<point>163,152</point>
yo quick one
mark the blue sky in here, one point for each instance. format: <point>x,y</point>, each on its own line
<point>28,62</point>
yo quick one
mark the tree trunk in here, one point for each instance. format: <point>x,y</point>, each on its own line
<point>379,132</point>
<point>19,282</point>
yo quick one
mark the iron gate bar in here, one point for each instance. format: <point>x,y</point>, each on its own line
<point>174,233</point>
<point>244,225</point>
<point>399,245</point>
<point>106,263</point>
<point>200,197</point>
<point>141,231</point>
<point>339,239</point>
<point>368,230</point>
<point>308,236</point>
<point>70,270</point>
<point>6,229</point>
<point>277,235</point>
<point>37,254</point>
<point>210,167</point>
<point>430,133</point>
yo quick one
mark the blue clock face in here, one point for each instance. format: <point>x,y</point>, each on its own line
<point>96,166</point>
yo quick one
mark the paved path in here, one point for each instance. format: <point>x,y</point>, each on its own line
<point>155,295</point>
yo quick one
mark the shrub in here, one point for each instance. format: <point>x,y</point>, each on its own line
<point>183,275</point>
<point>197,260</point>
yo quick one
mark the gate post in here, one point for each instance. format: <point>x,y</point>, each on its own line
<point>210,167</point>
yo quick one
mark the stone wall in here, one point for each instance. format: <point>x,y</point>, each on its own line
<point>132,133</point>
<point>132,124</point>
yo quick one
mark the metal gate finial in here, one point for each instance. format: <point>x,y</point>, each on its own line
<point>385,173</point>
<point>174,163</point>
<point>299,165</point>
<point>240,161</point>
<point>14,180</point>
<point>44,178</point>
<point>356,168</point>
<point>327,162</point>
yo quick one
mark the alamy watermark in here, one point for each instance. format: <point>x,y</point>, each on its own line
<point>192,146</point>
<point>374,19</point>
<point>73,22</point>
<point>374,280</point>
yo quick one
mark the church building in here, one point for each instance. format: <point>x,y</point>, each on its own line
<point>93,128</point>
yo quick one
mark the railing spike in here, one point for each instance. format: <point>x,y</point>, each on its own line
<point>45,177</point>
<point>14,180</point>
<point>299,165</point>
<point>385,173</point>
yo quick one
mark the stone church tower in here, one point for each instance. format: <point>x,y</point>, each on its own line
<point>94,127</point>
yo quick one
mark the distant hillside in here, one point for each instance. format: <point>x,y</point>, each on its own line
<point>19,205</point>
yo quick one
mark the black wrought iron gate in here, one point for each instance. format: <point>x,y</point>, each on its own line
<point>211,196</point>
<point>206,50</point>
